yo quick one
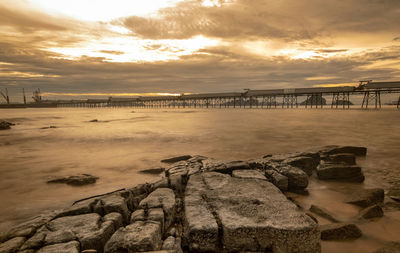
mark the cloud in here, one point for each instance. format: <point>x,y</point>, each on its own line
<point>284,19</point>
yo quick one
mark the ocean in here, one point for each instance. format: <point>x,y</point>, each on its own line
<point>126,140</point>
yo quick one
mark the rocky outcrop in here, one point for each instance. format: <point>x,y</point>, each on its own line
<point>367,197</point>
<point>340,172</point>
<point>75,180</point>
<point>244,215</point>
<point>340,231</point>
<point>203,205</point>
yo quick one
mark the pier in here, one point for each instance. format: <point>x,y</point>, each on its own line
<point>339,97</point>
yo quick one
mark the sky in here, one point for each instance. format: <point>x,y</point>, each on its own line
<point>128,47</point>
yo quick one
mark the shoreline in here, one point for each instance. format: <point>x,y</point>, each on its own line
<point>129,201</point>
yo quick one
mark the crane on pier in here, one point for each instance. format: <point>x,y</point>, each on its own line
<point>37,97</point>
<point>5,96</point>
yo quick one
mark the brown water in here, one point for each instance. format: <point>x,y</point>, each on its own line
<point>123,142</point>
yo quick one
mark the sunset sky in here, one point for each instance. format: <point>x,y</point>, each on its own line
<point>72,47</point>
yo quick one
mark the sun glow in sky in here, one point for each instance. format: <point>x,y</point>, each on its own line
<point>194,46</point>
<point>102,10</point>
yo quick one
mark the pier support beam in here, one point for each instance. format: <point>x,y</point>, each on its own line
<point>371,96</point>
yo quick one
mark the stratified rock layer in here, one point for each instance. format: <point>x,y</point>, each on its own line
<point>246,215</point>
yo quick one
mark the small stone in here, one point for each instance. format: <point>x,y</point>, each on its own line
<point>304,163</point>
<point>371,212</point>
<point>94,120</point>
<point>340,231</point>
<point>75,180</point>
<point>277,179</point>
<point>367,197</point>
<point>394,193</point>
<point>4,125</point>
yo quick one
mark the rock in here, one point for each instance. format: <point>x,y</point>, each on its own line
<point>371,212</point>
<point>153,214</point>
<point>349,159</point>
<point>161,198</point>
<point>81,207</point>
<point>367,197</point>
<point>252,215</point>
<point>162,183</point>
<point>390,247</point>
<point>358,151</point>
<point>200,226</point>
<point>69,247</point>
<point>12,245</point>
<point>277,179</point>
<point>304,163</point>
<point>169,243</point>
<point>28,228</point>
<point>323,213</point>
<point>4,125</point>
<point>48,127</point>
<point>248,174</point>
<point>94,120</point>
<point>114,203</point>
<point>237,165</point>
<point>36,241</point>
<point>176,159</point>
<point>211,164</point>
<point>340,172</point>
<point>59,236</point>
<point>154,171</point>
<point>256,164</point>
<point>340,231</point>
<point>116,219</point>
<point>394,193</point>
<point>177,182</point>
<point>137,237</point>
<point>76,180</point>
<point>91,232</point>
<point>297,179</point>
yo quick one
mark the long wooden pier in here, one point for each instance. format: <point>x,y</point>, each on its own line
<point>273,98</point>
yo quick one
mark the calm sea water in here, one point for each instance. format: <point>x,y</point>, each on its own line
<point>127,140</point>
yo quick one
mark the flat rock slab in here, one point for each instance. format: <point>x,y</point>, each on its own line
<point>248,174</point>
<point>246,215</point>
<point>89,229</point>
<point>348,159</point>
<point>340,231</point>
<point>76,180</point>
<point>176,159</point>
<point>137,237</point>
<point>358,151</point>
<point>340,172</point>
<point>371,212</point>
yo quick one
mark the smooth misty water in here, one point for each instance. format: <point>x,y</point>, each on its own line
<point>127,140</point>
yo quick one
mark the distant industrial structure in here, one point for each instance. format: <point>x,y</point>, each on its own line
<point>273,98</point>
